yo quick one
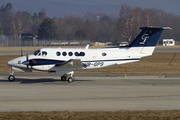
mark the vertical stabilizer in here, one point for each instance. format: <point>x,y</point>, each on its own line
<point>147,39</point>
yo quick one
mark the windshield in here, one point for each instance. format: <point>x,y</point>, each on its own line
<point>37,52</point>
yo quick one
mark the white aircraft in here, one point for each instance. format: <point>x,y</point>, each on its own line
<point>66,61</point>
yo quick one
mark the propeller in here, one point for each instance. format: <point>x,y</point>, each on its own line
<point>27,59</point>
<point>27,62</point>
<point>21,52</point>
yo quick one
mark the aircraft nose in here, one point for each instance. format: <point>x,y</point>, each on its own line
<point>10,63</point>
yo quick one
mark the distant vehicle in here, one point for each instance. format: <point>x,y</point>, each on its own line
<point>66,61</point>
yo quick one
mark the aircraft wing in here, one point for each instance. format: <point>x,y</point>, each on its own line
<point>71,62</point>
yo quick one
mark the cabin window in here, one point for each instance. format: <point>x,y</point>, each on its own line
<point>64,53</point>
<point>82,54</point>
<point>44,53</point>
<point>70,53</point>
<point>104,54</point>
<point>37,52</point>
<point>58,53</point>
<point>79,54</point>
<point>76,54</point>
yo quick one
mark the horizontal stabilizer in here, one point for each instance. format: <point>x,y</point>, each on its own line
<point>152,27</point>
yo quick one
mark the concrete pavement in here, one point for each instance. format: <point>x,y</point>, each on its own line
<point>44,92</point>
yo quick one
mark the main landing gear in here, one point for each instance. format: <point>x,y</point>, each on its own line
<point>11,77</point>
<point>69,79</point>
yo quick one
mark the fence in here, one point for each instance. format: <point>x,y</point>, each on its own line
<point>35,42</point>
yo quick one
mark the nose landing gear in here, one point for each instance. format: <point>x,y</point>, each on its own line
<point>11,77</point>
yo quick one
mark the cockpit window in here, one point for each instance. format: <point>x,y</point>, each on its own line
<point>44,53</point>
<point>37,52</point>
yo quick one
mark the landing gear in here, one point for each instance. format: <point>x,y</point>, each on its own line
<point>70,79</point>
<point>64,77</point>
<point>11,77</point>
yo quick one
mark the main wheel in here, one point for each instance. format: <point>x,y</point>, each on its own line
<point>70,79</point>
<point>11,78</point>
<point>63,78</point>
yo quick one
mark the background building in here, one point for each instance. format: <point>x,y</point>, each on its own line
<point>166,42</point>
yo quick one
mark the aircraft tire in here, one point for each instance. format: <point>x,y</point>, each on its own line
<point>63,78</point>
<point>11,78</point>
<point>70,79</point>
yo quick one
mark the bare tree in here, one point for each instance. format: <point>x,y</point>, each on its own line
<point>125,23</point>
<point>17,25</point>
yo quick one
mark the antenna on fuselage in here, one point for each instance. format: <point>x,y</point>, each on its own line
<point>87,47</point>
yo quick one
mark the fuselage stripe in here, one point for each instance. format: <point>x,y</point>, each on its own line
<point>51,62</point>
<point>111,60</point>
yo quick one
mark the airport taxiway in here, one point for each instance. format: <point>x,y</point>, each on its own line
<point>90,92</point>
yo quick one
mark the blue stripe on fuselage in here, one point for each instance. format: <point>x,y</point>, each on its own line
<point>53,62</point>
<point>111,60</point>
<point>45,62</point>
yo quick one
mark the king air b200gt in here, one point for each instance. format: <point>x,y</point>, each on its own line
<point>66,61</point>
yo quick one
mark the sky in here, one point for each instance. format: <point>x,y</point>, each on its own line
<point>62,8</point>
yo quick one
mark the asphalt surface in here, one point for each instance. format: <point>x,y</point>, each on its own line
<point>28,51</point>
<point>90,92</point>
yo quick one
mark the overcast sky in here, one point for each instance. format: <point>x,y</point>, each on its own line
<point>61,8</point>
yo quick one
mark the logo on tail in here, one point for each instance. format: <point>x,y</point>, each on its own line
<point>144,38</point>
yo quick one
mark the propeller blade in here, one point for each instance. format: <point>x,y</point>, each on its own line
<point>21,52</point>
<point>27,59</point>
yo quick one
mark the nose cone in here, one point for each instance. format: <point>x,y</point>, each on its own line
<point>10,63</point>
<point>17,62</point>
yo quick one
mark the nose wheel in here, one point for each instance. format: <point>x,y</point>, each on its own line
<point>11,78</point>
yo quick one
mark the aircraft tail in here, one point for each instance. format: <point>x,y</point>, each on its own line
<point>146,41</point>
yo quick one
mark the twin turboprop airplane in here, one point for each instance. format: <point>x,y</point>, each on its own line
<point>66,61</point>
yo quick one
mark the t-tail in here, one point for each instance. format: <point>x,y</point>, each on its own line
<point>146,41</point>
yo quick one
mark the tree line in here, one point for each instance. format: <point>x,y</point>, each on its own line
<point>102,28</point>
